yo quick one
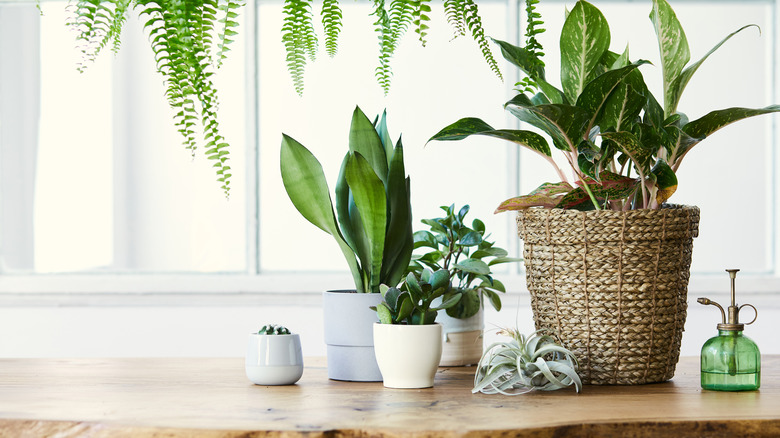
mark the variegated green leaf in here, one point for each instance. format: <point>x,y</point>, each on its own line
<point>631,146</point>
<point>464,128</point>
<point>564,123</point>
<point>611,185</point>
<point>584,39</point>
<point>679,83</point>
<point>520,57</point>
<point>673,46</point>
<point>547,195</point>
<point>576,199</point>
<point>711,122</point>
<point>594,97</point>
<point>665,180</point>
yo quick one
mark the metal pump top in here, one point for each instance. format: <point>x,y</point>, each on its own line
<point>733,323</point>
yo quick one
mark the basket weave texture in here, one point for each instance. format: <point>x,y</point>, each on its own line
<point>613,285</point>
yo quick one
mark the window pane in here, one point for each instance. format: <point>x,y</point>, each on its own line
<point>113,187</point>
<point>432,87</point>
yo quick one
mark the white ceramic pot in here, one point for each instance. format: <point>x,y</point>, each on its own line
<point>408,355</point>
<point>348,335</point>
<point>274,359</point>
<point>462,339</point>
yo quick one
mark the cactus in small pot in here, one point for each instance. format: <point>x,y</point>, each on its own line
<point>273,329</point>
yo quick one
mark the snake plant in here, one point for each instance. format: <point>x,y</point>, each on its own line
<point>190,39</point>
<point>373,220</point>
<point>624,147</point>
<point>525,364</point>
<point>392,19</point>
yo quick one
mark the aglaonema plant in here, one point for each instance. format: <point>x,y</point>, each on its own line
<point>623,146</point>
<point>372,222</point>
<point>412,302</point>
<point>464,251</point>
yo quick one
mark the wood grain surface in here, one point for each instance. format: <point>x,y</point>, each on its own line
<point>212,398</point>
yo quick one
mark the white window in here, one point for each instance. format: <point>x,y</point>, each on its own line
<point>95,184</point>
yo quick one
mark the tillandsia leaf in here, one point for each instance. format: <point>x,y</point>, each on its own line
<point>678,84</point>
<point>665,181</point>
<point>594,97</point>
<point>611,185</point>
<point>307,188</point>
<point>564,123</point>
<point>466,127</point>
<point>524,59</point>
<point>584,39</point>
<point>673,46</point>
<point>371,201</point>
<point>548,195</point>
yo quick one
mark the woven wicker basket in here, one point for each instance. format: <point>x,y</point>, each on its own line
<point>613,285</point>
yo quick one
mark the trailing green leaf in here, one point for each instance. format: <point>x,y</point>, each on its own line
<point>299,38</point>
<point>331,24</point>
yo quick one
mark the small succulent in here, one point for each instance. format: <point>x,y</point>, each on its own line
<point>411,304</point>
<point>273,329</point>
<point>467,254</point>
<point>524,364</point>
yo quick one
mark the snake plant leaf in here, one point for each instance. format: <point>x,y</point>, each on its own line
<point>469,126</point>
<point>384,314</point>
<point>371,201</point>
<point>349,218</point>
<point>673,46</point>
<point>665,180</point>
<point>305,183</point>
<point>713,121</point>
<point>584,39</point>
<point>364,139</point>
<point>594,97</point>
<point>399,241</point>
<point>679,83</point>
<point>564,123</point>
<point>522,58</point>
<point>474,266</point>
<point>384,137</point>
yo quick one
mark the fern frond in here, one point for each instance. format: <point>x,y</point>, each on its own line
<point>455,12</point>
<point>97,23</point>
<point>421,19</point>
<point>331,23</point>
<point>474,23</point>
<point>229,24</point>
<point>532,45</point>
<point>391,25</point>
<point>299,38</point>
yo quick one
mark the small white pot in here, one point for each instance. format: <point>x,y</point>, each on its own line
<point>274,359</point>
<point>408,355</point>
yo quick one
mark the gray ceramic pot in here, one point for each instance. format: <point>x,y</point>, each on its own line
<point>349,335</point>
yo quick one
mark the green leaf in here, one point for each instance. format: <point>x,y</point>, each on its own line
<point>472,238</point>
<point>547,195</point>
<point>611,185</point>
<point>473,266</point>
<point>678,85</point>
<point>384,314</point>
<point>349,219</point>
<point>703,127</point>
<point>307,188</point>
<point>363,139</point>
<point>630,145</point>
<point>406,307</point>
<point>564,123</point>
<point>466,127</point>
<point>369,194</point>
<point>584,39</point>
<point>489,252</point>
<point>665,180</point>
<point>673,46</point>
<point>520,57</point>
<point>596,93</point>
<point>424,239</point>
<point>440,279</point>
<point>449,302</point>
<point>398,241</point>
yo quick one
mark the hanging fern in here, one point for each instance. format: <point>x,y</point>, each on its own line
<point>474,23</point>
<point>299,38</point>
<point>532,46</point>
<point>421,19</point>
<point>331,23</point>
<point>181,33</point>
<point>455,17</point>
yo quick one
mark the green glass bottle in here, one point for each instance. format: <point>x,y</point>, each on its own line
<point>730,361</point>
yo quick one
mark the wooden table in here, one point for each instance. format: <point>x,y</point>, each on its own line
<point>213,398</point>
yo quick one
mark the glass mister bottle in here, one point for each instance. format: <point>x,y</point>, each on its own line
<point>730,361</point>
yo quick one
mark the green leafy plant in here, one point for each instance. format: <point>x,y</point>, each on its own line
<point>190,40</point>
<point>412,302</point>
<point>467,254</point>
<point>392,19</point>
<point>273,329</point>
<point>524,364</point>
<point>624,147</point>
<point>372,223</point>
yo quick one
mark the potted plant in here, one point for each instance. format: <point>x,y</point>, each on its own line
<point>407,339</point>
<point>273,356</point>
<point>607,261</point>
<point>372,225</point>
<point>468,255</point>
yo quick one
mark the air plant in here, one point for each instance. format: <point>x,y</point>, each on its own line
<point>524,364</point>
